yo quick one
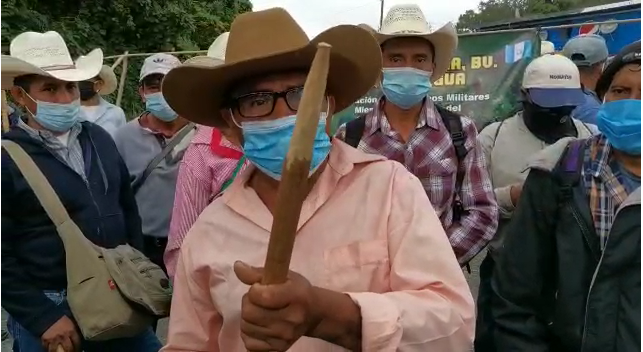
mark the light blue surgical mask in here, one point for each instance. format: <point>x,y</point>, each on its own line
<point>405,86</point>
<point>155,103</point>
<point>56,117</point>
<point>265,144</point>
<point>620,123</point>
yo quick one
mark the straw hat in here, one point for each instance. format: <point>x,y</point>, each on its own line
<point>217,49</point>
<point>108,77</point>
<point>269,41</point>
<point>409,21</point>
<point>547,47</point>
<point>46,54</point>
<point>216,53</point>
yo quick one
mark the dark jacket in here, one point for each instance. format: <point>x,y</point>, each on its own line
<point>554,289</point>
<point>33,257</point>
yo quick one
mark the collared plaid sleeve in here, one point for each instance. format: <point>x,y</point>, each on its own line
<point>479,223</point>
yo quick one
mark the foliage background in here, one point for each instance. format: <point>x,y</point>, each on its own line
<point>503,10</point>
<point>116,26</point>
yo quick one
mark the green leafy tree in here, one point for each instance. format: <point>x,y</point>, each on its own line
<point>116,26</point>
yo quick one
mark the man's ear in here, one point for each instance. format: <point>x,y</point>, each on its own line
<point>18,95</point>
<point>233,132</point>
<point>331,114</point>
<point>141,92</point>
<point>98,85</point>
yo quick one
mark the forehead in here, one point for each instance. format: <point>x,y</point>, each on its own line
<point>271,82</point>
<point>628,75</point>
<point>48,81</point>
<point>403,44</point>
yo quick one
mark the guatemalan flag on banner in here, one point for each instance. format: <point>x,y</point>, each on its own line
<point>517,51</point>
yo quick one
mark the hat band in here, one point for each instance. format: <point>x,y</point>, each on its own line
<point>58,67</point>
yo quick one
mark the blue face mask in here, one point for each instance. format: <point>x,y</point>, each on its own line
<point>157,106</point>
<point>620,123</point>
<point>266,144</point>
<point>405,86</point>
<point>56,117</point>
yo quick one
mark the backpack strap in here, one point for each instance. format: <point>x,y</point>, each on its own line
<point>569,169</point>
<point>355,131</point>
<point>453,123</point>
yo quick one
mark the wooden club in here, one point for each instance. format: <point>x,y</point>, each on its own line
<point>294,180</point>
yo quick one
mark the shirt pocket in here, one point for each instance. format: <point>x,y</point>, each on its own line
<point>357,267</point>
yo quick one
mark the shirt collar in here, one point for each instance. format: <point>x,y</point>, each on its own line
<point>376,120</point>
<point>341,162</point>
<point>600,153</point>
<point>47,136</point>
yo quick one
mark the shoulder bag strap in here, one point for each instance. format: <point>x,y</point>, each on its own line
<point>136,186</point>
<point>40,186</point>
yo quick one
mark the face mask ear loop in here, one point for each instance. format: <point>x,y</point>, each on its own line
<point>233,119</point>
<point>32,99</point>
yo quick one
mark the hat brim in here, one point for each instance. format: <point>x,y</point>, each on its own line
<point>198,93</point>
<point>85,67</point>
<point>555,97</point>
<point>108,77</point>
<point>445,43</point>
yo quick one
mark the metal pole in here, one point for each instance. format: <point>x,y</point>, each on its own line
<point>121,84</point>
<point>381,13</point>
<point>555,27</point>
<point>164,52</point>
<point>118,61</point>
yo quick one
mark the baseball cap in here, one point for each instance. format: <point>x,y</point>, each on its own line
<point>630,54</point>
<point>553,81</point>
<point>586,49</point>
<point>158,64</point>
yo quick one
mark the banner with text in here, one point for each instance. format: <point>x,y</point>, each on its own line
<point>483,80</point>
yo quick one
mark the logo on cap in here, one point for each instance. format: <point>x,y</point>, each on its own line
<point>560,77</point>
<point>158,60</point>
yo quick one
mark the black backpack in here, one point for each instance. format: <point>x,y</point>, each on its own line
<point>453,123</point>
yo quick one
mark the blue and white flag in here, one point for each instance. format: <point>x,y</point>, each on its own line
<point>518,51</point>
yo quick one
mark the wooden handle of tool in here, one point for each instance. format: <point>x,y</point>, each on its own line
<point>293,187</point>
<point>5,112</point>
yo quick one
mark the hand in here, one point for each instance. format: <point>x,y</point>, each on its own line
<point>274,317</point>
<point>63,333</point>
<point>514,193</point>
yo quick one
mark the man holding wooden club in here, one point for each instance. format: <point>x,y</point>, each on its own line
<point>372,268</point>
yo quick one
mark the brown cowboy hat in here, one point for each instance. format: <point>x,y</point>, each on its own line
<point>266,42</point>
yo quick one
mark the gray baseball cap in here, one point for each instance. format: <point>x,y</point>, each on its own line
<point>586,50</point>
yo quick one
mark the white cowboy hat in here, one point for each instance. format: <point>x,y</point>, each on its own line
<point>216,53</point>
<point>217,49</point>
<point>108,77</point>
<point>408,21</point>
<point>46,54</point>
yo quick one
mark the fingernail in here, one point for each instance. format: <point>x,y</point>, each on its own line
<point>239,262</point>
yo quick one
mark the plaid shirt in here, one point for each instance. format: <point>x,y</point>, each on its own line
<point>429,154</point>
<point>70,154</point>
<point>606,192</point>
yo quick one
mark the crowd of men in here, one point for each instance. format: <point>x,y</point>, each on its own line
<point>399,200</point>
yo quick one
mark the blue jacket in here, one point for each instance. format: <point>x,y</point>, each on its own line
<point>33,256</point>
<point>587,112</point>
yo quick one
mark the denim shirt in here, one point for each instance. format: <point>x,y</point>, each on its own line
<point>107,115</point>
<point>587,111</point>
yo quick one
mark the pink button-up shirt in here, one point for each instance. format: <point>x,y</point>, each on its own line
<point>202,173</point>
<point>366,229</point>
